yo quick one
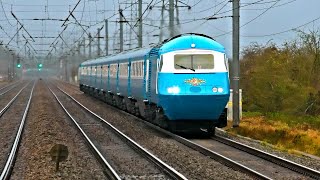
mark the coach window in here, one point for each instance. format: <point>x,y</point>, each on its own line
<point>141,68</point>
<point>138,69</point>
<point>105,70</point>
<point>124,69</point>
<point>133,66</point>
<point>135,69</point>
<point>98,70</point>
<point>90,71</point>
<point>95,70</point>
<point>85,71</point>
<point>113,70</point>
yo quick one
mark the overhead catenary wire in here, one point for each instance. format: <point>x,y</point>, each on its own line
<point>285,31</point>
<point>272,6</point>
<point>5,15</point>
<point>279,5</point>
<point>72,34</point>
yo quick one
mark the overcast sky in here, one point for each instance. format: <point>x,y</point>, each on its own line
<point>262,21</point>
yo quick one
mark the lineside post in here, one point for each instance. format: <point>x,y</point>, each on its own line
<point>98,43</point>
<point>235,62</point>
<point>90,39</point>
<point>121,30</point>
<point>107,37</point>
<point>140,24</point>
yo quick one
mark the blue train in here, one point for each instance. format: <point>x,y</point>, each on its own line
<point>181,84</point>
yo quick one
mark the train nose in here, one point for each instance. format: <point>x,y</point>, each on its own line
<point>206,107</point>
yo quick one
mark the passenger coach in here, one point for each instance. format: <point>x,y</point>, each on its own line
<point>181,84</point>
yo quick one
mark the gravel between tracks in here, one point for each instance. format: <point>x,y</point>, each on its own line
<point>46,126</point>
<point>185,160</point>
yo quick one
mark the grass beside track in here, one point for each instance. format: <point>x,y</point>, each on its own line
<point>283,131</point>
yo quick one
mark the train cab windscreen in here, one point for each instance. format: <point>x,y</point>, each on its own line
<point>193,61</point>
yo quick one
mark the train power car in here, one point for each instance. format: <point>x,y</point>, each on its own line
<point>182,84</point>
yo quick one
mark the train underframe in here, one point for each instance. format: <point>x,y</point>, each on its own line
<point>155,115</point>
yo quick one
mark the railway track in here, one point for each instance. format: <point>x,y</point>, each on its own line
<point>120,156</point>
<point>269,157</point>
<point>262,168</point>
<point>244,158</point>
<point>12,122</point>
<point>8,88</point>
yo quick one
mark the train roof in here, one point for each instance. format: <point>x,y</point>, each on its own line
<point>185,41</point>
<point>179,42</point>
<point>137,54</point>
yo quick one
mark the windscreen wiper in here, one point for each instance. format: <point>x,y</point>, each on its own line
<point>183,67</point>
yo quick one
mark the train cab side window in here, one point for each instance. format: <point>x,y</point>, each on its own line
<point>160,63</point>
<point>226,63</point>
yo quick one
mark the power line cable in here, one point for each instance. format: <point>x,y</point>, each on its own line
<point>272,6</point>
<point>281,32</point>
<point>5,15</point>
<point>289,2</point>
<point>261,13</point>
<point>216,5</point>
<point>139,19</point>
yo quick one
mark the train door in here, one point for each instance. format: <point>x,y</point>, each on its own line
<point>159,66</point>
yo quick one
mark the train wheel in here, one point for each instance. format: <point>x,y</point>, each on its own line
<point>149,114</point>
<point>211,131</point>
<point>161,119</point>
<point>130,106</point>
<point>123,104</point>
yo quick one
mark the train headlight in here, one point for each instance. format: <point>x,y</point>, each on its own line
<point>173,90</point>
<point>214,89</point>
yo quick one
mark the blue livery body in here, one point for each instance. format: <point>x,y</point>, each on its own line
<point>185,78</point>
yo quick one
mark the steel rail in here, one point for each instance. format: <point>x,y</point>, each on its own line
<point>279,161</point>
<point>218,157</point>
<point>12,100</point>
<point>214,155</point>
<point>13,153</point>
<point>8,85</point>
<point>222,159</point>
<point>110,172</point>
<point>171,172</point>
<point>13,86</point>
<point>270,157</point>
